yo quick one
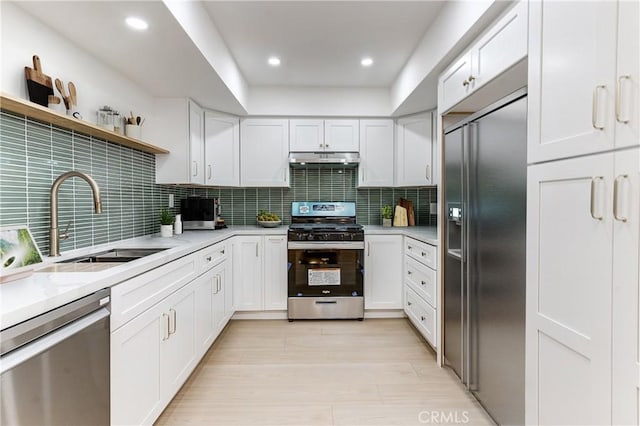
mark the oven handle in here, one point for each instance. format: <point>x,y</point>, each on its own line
<point>326,302</point>
<point>351,245</point>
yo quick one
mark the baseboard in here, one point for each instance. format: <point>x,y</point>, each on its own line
<point>272,315</point>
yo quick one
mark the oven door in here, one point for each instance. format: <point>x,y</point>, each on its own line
<point>318,269</point>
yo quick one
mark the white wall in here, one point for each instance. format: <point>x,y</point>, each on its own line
<point>22,36</point>
<point>319,101</point>
<point>195,21</point>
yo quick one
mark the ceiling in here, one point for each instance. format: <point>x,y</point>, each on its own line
<point>320,43</point>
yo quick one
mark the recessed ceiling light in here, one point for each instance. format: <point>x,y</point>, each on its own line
<point>274,61</point>
<point>137,23</point>
<point>366,62</point>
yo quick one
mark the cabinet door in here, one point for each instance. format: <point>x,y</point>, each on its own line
<point>501,47</point>
<point>572,57</point>
<point>306,135</point>
<point>264,153</point>
<point>626,278</point>
<point>376,153</point>
<point>628,96</point>
<point>569,271</point>
<point>454,83</point>
<point>196,143</point>
<point>219,313</point>
<point>135,365</point>
<point>341,135</point>
<point>414,151</point>
<point>221,150</point>
<point>247,273</point>
<point>204,288</point>
<point>383,272</point>
<point>275,272</point>
<point>177,353</point>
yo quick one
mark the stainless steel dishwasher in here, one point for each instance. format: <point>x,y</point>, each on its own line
<point>54,368</point>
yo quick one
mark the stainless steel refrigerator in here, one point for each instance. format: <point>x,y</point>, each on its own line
<point>484,269</point>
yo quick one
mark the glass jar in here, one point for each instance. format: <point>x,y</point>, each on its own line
<point>105,118</point>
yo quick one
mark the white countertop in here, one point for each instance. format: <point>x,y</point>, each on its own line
<point>426,234</point>
<point>42,291</point>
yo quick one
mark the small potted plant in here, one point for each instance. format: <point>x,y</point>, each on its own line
<point>166,223</point>
<point>387,215</point>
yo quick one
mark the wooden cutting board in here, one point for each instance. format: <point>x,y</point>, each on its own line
<point>400,216</point>
<point>39,85</point>
<point>407,204</point>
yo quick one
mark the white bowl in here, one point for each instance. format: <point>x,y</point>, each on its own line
<point>269,223</point>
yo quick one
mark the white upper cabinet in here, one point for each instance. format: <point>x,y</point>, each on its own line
<point>628,75</point>
<point>306,135</point>
<point>503,45</point>
<point>572,78</point>
<point>264,152</point>
<point>338,135</point>
<point>221,150</point>
<point>376,153</point>
<point>177,125</point>
<point>341,135</point>
<point>414,151</point>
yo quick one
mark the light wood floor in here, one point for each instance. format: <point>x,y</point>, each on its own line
<point>374,372</point>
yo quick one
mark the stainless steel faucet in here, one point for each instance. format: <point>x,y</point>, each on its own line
<point>54,235</point>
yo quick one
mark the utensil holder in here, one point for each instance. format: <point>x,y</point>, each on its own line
<point>132,131</point>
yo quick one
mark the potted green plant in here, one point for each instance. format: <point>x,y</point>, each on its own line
<point>166,223</point>
<point>387,215</point>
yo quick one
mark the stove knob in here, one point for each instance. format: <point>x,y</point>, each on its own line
<point>310,237</point>
<point>325,237</point>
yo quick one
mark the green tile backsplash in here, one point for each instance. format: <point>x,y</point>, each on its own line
<point>33,155</point>
<point>240,206</point>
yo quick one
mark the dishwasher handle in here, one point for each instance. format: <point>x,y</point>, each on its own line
<point>46,342</point>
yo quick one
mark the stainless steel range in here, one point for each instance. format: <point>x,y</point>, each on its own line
<point>326,249</point>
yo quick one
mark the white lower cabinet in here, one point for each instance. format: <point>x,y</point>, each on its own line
<point>420,289</point>
<point>154,351</point>
<point>275,272</point>
<point>151,357</point>
<point>582,290</point>
<point>260,272</point>
<point>383,272</point>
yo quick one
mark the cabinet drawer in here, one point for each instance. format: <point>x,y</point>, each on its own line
<point>423,253</point>
<point>421,315</point>
<point>211,256</point>
<point>138,294</point>
<point>421,278</point>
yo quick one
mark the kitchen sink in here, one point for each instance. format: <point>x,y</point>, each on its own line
<point>117,255</point>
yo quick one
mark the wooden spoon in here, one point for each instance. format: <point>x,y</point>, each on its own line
<point>72,93</point>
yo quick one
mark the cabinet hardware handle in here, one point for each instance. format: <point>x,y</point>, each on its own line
<point>596,104</point>
<point>423,282</point>
<point>408,303</point>
<point>219,283</point>
<point>471,79</point>
<point>594,180</point>
<point>422,318</point>
<point>222,251</point>
<point>424,254</point>
<point>208,258</point>
<point>209,171</point>
<point>166,329</point>
<point>465,83</point>
<point>174,316</point>
<point>427,174</point>
<point>619,100</point>
<point>256,249</point>
<point>321,145</point>
<point>195,168</point>
<point>616,189</point>
<point>326,145</point>
<point>409,272</point>
<point>410,248</point>
<point>368,249</point>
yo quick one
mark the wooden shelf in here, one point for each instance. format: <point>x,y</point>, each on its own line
<point>40,113</point>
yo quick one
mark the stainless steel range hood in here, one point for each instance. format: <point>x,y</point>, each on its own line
<point>324,159</point>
